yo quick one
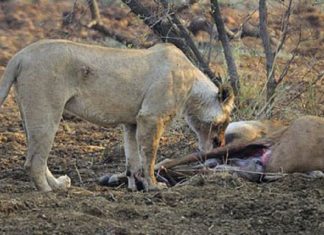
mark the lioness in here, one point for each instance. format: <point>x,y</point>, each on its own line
<point>141,89</point>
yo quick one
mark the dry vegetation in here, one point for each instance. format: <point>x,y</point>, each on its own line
<point>214,204</point>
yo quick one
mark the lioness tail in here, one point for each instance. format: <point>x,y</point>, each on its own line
<point>8,78</point>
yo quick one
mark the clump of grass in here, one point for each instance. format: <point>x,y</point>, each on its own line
<point>309,101</point>
<point>249,100</point>
<point>290,102</point>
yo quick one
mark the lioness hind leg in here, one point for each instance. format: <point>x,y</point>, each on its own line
<point>40,140</point>
<point>149,131</point>
<point>133,161</point>
<point>41,127</point>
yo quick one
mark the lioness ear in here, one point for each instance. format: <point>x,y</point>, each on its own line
<point>226,97</point>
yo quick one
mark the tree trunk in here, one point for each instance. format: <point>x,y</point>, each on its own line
<point>171,30</point>
<point>231,66</point>
<point>271,83</point>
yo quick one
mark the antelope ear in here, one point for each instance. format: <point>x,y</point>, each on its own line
<point>226,97</point>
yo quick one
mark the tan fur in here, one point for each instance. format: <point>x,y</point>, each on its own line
<point>251,130</point>
<point>297,147</point>
<point>142,89</point>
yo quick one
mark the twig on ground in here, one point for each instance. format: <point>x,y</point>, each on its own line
<point>79,175</point>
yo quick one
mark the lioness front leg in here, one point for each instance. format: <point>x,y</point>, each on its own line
<point>133,161</point>
<point>149,131</point>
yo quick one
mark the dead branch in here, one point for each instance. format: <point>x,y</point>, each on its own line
<point>249,30</point>
<point>294,53</point>
<point>161,27</point>
<point>245,29</point>
<point>185,5</point>
<point>291,99</point>
<point>69,16</point>
<point>231,66</point>
<point>282,40</point>
<point>302,91</point>
<point>200,23</point>
<point>95,14</point>
<point>267,108</point>
<point>271,57</point>
<point>170,29</point>
<point>318,78</point>
<point>97,25</point>
<point>201,61</point>
<point>185,34</point>
<point>284,27</point>
<point>118,37</point>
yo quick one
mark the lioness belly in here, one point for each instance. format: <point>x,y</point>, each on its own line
<point>108,114</point>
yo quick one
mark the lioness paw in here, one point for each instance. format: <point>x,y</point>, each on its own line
<point>64,182</point>
<point>153,187</point>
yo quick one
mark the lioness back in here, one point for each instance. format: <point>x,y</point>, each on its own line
<point>109,83</point>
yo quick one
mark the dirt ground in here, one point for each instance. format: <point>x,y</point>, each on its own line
<point>213,204</point>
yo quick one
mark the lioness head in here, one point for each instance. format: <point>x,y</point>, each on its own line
<point>209,117</point>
